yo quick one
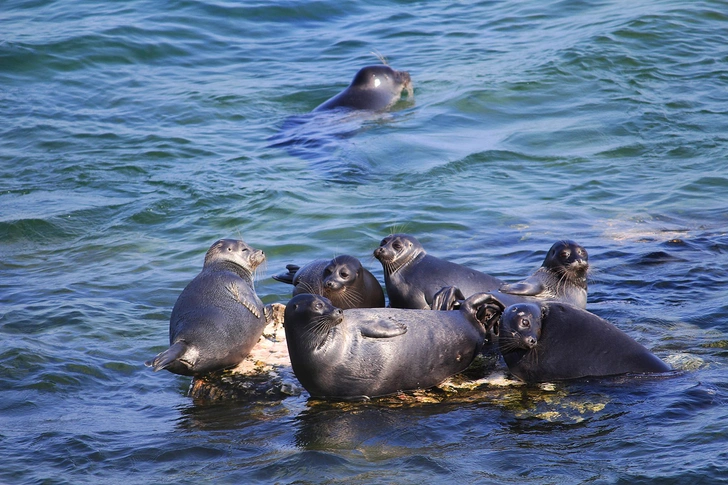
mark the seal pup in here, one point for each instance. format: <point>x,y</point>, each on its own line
<point>343,280</point>
<point>218,317</point>
<point>552,341</point>
<point>561,277</point>
<point>364,353</point>
<point>374,88</point>
<point>412,276</point>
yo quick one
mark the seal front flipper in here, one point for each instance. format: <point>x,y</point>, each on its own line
<point>523,288</point>
<point>383,329</point>
<point>176,352</point>
<point>287,277</point>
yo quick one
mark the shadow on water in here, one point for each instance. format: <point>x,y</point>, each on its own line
<point>323,139</point>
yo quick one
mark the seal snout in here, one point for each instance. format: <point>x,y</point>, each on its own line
<point>258,257</point>
<point>404,77</point>
<point>337,316</point>
<point>382,254</point>
<point>333,285</point>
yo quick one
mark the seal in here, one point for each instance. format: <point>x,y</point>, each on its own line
<point>374,88</point>
<point>218,317</point>
<point>343,280</point>
<point>553,341</point>
<point>412,276</point>
<point>561,277</point>
<point>364,353</point>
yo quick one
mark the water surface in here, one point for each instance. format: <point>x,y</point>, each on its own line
<point>134,135</point>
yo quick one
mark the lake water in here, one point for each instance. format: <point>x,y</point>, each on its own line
<point>135,134</point>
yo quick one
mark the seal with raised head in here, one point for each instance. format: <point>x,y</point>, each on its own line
<point>553,341</point>
<point>412,276</point>
<point>218,317</point>
<point>561,277</point>
<point>364,353</point>
<point>343,280</point>
<point>374,88</point>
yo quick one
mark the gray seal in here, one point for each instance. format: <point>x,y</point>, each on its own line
<point>343,280</point>
<point>561,277</point>
<point>218,317</point>
<point>412,276</point>
<point>373,88</point>
<point>553,341</point>
<point>364,353</point>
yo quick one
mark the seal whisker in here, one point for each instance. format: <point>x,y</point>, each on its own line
<point>348,298</point>
<point>311,288</point>
<point>318,329</point>
<point>353,298</point>
<point>380,56</point>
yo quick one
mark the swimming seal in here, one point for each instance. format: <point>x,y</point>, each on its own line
<point>561,277</point>
<point>364,353</point>
<point>343,280</point>
<point>412,276</point>
<point>553,341</point>
<point>374,88</point>
<point>217,318</point>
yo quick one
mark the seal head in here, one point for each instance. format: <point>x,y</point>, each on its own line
<point>374,88</point>
<point>343,280</point>
<point>561,277</point>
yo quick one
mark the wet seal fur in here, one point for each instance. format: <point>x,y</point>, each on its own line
<point>218,317</point>
<point>553,341</point>
<point>364,353</point>
<point>561,277</point>
<point>343,280</point>
<point>412,276</point>
<point>373,88</point>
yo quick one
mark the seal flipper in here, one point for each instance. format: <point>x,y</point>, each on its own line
<point>447,298</point>
<point>383,329</point>
<point>287,277</point>
<point>523,288</point>
<point>166,358</point>
<point>486,309</point>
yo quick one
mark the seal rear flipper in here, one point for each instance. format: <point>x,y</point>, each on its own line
<point>383,329</point>
<point>169,356</point>
<point>523,288</point>
<point>287,277</point>
<point>447,298</point>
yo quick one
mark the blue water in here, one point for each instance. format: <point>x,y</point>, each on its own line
<point>134,134</point>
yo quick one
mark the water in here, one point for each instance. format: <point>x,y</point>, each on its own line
<point>135,134</point>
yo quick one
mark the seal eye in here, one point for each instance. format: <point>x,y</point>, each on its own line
<point>525,323</point>
<point>344,274</point>
<point>397,246</point>
<point>565,254</point>
<point>318,306</point>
